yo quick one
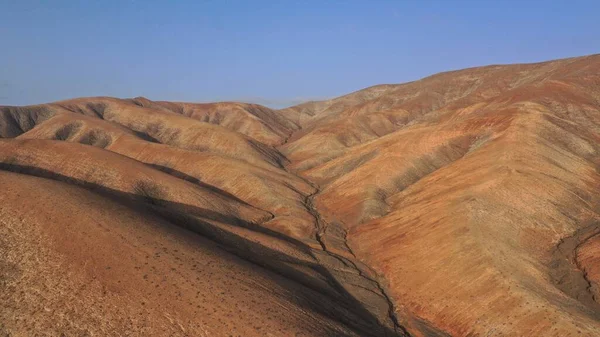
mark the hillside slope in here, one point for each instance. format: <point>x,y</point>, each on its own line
<point>462,198</point>
<point>461,204</point>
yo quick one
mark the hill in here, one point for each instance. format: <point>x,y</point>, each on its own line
<point>461,204</point>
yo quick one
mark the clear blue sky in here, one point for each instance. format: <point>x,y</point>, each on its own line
<point>271,52</point>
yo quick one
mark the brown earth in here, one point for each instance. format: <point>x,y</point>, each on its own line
<point>462,204</point>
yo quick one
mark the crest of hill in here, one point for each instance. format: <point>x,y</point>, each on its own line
<point>331,127</point>
<point>313,112</point>
<point>254,120</point>
<point>155,125</point>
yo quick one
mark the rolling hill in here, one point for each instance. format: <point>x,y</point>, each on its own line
<point>461,204</point>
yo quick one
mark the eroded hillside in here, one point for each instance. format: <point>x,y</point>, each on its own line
<point>461,204</point>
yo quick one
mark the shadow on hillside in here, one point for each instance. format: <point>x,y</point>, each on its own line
<point>328,298</point>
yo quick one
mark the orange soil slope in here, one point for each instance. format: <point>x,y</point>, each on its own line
<point>461,204</point>
<point>253,209</point>
<point>256,121</point>
<point>76,263</point>
<point>461,208</point>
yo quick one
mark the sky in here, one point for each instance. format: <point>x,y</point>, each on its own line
<point>276,53</point>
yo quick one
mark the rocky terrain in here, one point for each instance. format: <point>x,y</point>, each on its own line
<point>461,204</point>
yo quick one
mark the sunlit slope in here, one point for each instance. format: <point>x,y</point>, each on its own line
<point>256,121</point>
<point>461,204</point>
<point>465,206</point>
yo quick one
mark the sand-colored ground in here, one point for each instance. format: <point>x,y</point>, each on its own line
<point>462,204</point>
